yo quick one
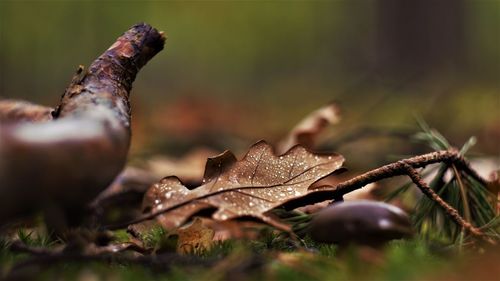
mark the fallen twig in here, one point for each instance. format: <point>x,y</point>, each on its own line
<point>407,167</point>
<point>399,168</point>
<point>449,210</point>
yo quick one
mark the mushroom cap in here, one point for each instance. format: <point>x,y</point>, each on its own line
<point>361,222</point>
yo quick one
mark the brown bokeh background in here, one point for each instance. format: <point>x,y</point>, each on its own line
<point>236,72</point>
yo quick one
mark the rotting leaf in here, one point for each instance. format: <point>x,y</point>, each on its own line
<point>249,187</point>
<point>127,189</point>
<point>194,238</point>
<point>131,182</point>
<point>234,229</point>
<point>308,129</point>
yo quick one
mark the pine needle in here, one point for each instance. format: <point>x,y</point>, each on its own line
<point>472,199</point>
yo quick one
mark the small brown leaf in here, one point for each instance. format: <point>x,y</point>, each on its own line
<point>128,190</point>
<point>188,168</point>
<point>194,238</point>
<point>128,183</point>
<point>308,129</point>
<point>252,186</point>
<point>234,229</point>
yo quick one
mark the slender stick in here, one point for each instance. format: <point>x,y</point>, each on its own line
<point>398,169</point>
<point>407,167</point>
<point>449,210</point>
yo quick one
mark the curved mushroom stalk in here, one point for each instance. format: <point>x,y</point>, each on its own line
<point>66,162</point>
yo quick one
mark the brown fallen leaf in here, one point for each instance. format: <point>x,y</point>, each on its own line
<point>130,180</point>
<point>234,229</point>
<point>194,238</point>
<point>308,129</point>
<point>127,189</point>
<point>189,168</point>
<point>250,187</point>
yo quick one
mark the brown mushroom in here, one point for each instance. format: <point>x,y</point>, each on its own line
<point>360,222</point>
<point>59,160</point>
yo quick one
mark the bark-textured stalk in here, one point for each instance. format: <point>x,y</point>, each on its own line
<point>64,163</point>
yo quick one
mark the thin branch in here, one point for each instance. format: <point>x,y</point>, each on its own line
<point>398,169</point>
<point>449,210</point>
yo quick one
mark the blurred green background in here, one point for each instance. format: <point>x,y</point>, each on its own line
<point>253,69</point>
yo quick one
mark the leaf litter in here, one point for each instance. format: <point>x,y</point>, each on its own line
<point>250,187</point>
<point>310,128</point>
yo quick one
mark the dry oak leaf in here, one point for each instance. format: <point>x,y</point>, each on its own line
<point>310,128</point>
<point>250,187</point>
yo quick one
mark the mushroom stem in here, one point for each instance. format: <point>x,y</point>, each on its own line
<point>64,163</point>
